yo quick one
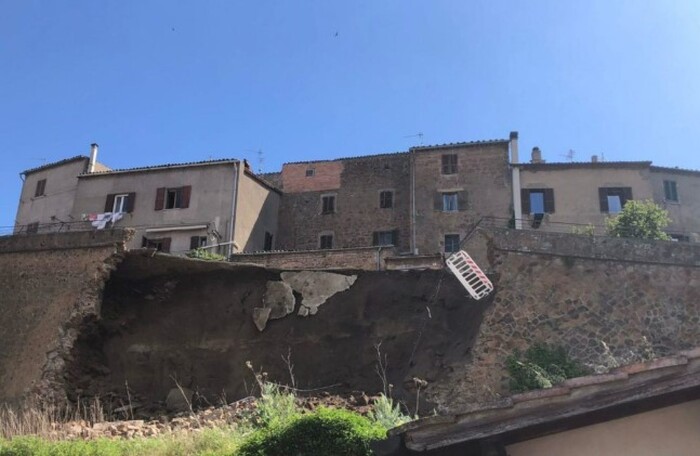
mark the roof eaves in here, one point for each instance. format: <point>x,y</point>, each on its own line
<point>666,169</point>
<point>54,164</point>
<point>262,181</point>
<point>485,142</point>
<point>161,167</point>
<point>357,157</point>
<point>575,165</point>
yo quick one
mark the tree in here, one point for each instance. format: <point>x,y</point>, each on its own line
<point>640,219</point>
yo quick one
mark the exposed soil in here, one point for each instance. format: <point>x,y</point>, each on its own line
<point>166,319</point>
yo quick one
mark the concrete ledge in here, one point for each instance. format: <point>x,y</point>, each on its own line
<point>62,241</point>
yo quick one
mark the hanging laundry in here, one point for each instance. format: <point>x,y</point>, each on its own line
<point>103,219</point>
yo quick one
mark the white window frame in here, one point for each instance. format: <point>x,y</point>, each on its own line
<point>120,202</point>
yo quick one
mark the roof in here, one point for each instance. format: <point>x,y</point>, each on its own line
<point>416,148</point>
<point>576,402</point>
<point>265,183</point>
<point>166,166</point>
<point>675,170</point>
<point>54,164</point>
<point>580,165</point>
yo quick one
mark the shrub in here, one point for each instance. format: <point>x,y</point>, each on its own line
<point>541,366</point>
<point>388,414</point>
<point>640,219</point>
<point>275,406</point>
<point>204,254</point>
<point>325,432</point>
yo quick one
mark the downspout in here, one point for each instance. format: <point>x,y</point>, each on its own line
<point>234,201</point>
<point>515,172</point>
<point>379,258</point>
<point>412,165</point>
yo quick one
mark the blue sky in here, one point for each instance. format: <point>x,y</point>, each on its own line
<point>166,81</point>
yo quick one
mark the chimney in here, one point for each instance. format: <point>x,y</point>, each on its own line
<point>514,147</point>
<point>594,159</point>
<point>536,155</point>
<point>93,157</point>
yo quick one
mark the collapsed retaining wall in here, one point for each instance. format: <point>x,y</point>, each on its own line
<point>607,301</point>
<point>48,284</point>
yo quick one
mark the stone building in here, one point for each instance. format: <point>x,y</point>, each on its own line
<point>421,201</point>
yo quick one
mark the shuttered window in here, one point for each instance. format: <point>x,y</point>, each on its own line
<point>613,199</point>
<point>537,200</point>
<point>120,202</point>
<point>173,198</point>
<point>449,164</point>
<point>328,204</point>
<point>386,199</point>
<point>670,191</point>
<point>326,241</point>
<point>385,238</point>
<point>451,243</point>
<point>40,188</point>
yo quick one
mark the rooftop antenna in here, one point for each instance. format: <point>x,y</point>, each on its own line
<point>261,158</point>
<point>569,155</point>
<point>418,135</point>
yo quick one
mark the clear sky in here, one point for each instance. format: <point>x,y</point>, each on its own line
<point>171,81</point>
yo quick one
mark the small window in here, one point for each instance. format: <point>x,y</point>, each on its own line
<point>613,199</point>
<point>310,172</point>
<point>173,198</point>
<point>326,241</point>
<point>197,242</point>
<point>121,203</point>
<point>670,191</point>
<point>449,202</point>
<point>386,199</point>
<point>385,238</point>
<point>449,164</point>
<point>268,241</point>
<point>33,228</point>
<point>537,200</point>
<point>451,243</point>
<point>328,204</point>
<point>40,188</point>
<point>161,245</point>
<point>680,237</point>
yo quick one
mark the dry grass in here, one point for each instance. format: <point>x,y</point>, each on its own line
<point>43,420</point>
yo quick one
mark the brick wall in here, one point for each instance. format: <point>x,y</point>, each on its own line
<point>365,258</point>
<point>357,213</point>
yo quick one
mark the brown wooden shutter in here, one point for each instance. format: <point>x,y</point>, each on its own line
<point>109,203</point>
<point>165,243</point>
<point>462,201</point>
<point>130,201</point>
<point>186,192</point>
<point>603,197</point>
<point>437,201</point>
<point>194,242</point>
<point>626,195</point>
<point>525,201</point>
<point>160,198</point>
<point>549,200</point>
<point>375,238</point>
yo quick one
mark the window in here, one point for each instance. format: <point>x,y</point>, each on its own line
<point>326,241</point>
<point>197,242</point>
<point>310,172</point>
<point>449,164</point>
<point>161,245</point>
<point>385,237</point>
<point>613,199</point>
<point>120,202</point>
<point>268,241</point>
<point>33,228</point>
<point>386,199</point>
<point>537,200</point>
<point>670,191</point>
<point>173,198</point>
<point>328,204</point>
<point>40,188</point>
<point>449,202</point>
<point>680,237</point>
<point>451,243</point>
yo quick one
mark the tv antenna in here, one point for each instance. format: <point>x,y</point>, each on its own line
<point>418,135</point>
<point>569,155</point>
<point>260,157</point>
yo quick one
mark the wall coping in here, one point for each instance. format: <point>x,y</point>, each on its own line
<point>64,241</point>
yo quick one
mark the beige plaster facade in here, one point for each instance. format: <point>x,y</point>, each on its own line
<point>668,431</point>
<point>685,210</point>
<point>576,189</point>
<point>55,204</point>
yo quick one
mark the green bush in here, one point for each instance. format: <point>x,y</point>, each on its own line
<point>541,366</point>
<point>325,432</point>
<point>204,254</point>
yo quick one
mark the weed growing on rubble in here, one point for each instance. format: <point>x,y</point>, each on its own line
<point>388,414</point>
<point>541,366</point>
<point>203,254</point>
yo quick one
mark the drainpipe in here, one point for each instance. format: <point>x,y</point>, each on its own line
<point>379,258</point>
<point>515,171</point>
<point>234,200</point>
<point>412,165</point>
